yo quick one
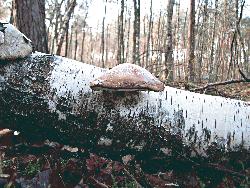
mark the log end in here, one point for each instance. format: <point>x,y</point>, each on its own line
<point>13,43</point>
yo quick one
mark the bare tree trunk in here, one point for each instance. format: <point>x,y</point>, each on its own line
<point>211,67</point>
<point>84,32</point>
<point>143,43</point>
<point>76,43</point>
<point>83,40</point>
<point>120,52</point>
<point>184,46</point>
<point>107,44</point>
<point>191,41</point>
<point>136,34</point>
<point>169,60</point>
<point>202,41</point>
<point>29,18</point>
<point>65,22</point>
<point>159,53</point>
<point>71,43</point>
<point>152,46</point>
<point>217,60</point>
<point>178,72</point>
<point>234,43</point>
<point>149,34</point>
<point>128,38</point>
<point>103,35</point>
<point>58,6</point>
<point>67,40</point>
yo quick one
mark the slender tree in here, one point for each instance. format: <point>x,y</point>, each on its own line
<point>149,33</point>
<point>83,38</point>
<point>64,23</point>
<point>128,37</point>
<point>191,42</point>
<point>103,34</point>
<point>76,43</point>
<point>136,34</point>
<point>211,67</point>
<point>120,52</point>
<point>169,60</point>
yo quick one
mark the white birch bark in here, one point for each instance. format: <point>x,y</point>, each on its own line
<point>51,95</point>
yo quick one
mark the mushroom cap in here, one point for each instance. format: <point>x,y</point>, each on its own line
<point>127,77</point>
<point>13,44</point>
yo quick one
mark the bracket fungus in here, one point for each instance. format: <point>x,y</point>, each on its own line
<point>13,43</point>
<point>127,77</point>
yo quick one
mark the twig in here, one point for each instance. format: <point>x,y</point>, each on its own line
<point>99,184</point>
<point>220,83</point>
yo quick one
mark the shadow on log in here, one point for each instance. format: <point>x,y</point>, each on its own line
<point>49,96</point>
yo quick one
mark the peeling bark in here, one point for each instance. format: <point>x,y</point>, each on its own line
<point>49,96</point>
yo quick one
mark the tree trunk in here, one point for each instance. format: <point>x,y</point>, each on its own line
<point>120,51</point>
<point>58,15</point>
<point>177,42</point>
<point>65,23</point>
<point>169,60</point>
<point>159,53</point>
<point>76,43</point>
<point>83,40</point>
<point>136,34</point>
<point>29,18</point>
<point>211,66</point>
<point>128,39</point>
<point>49,96</point>
<point>202,39</point>
<point>191,41</point>
<point>107,44</point>
<point>184,46</point>
<point>103,35</point>
<point>67,40</point>
<point>83,34</point>
<point>150,24</point>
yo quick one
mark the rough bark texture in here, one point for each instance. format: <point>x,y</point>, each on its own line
<point>191,41</point>
<point>50,96</point>
<point>29,18</point>
<point>169,59</point>
<point>136,34</point>
<point>120,51</point>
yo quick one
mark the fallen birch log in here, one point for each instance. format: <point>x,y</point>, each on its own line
<point>51,96</point>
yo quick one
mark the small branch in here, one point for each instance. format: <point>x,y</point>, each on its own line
<point>220,83</point>
<point>97,183</point>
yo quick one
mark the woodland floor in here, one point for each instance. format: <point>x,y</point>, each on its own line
<point>26,163</point>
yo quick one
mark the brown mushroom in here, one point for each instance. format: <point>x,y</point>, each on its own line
<point>127,77</point>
